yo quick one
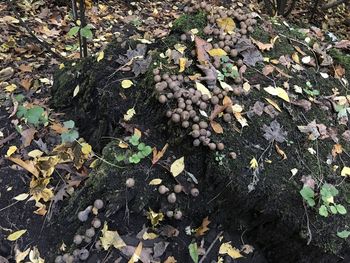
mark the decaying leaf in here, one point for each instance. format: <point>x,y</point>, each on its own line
<point>227,24</point>
<point>274,132</point>
<point>21,255</point>
<point>203,228</point>
<point>111,238</point>
<point>203,89</point>
<point>263,46</point>
<point>253,164</point>
<point>280,152</point>
<point>274,104</point>
<point>170,259</point>
<point>217,52</point>
<point>129,114</point>
<point>345,171</point>
<point>279,92</point>
<point>158,155</point>
<point>39,190</point>
<point>202,47</point>
<point>216,127</point>
<point>226,248</point>
<point>154,217</point>
<point>242,121</point>
<point>136,256</point>
<point>100,56</point>
<point>177,167</point>
<point>182,64</point>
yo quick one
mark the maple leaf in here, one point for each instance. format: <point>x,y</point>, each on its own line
<point>203,228</point>
<point>274,132</point>
<point>39,190</point>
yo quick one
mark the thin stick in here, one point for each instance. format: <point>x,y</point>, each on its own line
<point>210,247</point>
<point>308,225</point>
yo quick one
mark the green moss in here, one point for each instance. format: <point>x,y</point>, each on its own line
<point>341,58</point>
<point>187,22</point>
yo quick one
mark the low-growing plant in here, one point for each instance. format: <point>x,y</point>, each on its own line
<point>326,198</point>
<point>219,158</point>
<point>71,134</point>
<point>35,115</point>
<point>138,152</point>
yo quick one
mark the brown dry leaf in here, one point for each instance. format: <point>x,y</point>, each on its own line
<point>39,190</point>
<point>57,127</point>
<point>343,44</point>
<point>296,58</point>
<point>26,83</point>
<point>268,69</point>
<point>216,127</point>
<point>337,149</point>
<point>27,165</point>
<point>241,119</point>
<point>262,46</point>
<point>28,136</point>
<point>282,73</point>
<point>202,47</point>
<point>339,71</point>
<point>280,152</point>
<point>299,50</point>
<point>203,228</point>
<point>217,110</point>
<point>157,155</point>
<point>25,68</point>
<point>170,259</point>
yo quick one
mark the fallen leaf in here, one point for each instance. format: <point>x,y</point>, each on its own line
<point>226,248</point>
<point>274,104</point>
<point>227,24</point>
<point>279,92</point>
<point>203,228</point>
<point>203,89</point>
<point>242,121</point>
<point>11,150</point>
<point>126,83</point>
<point>111,238</point>
<point>26,83</point>
<point>296,58</point>
<point>16,235</point>
<point>86,148</point>
<point>280,152</point>
<point>136,256</point>
<point>25,68</point>
<point>170,259</point>
<point>76,91</point>
<point>100,56</point>
<point>182,64</point>
<point>216,127</point>
<point>20,256</point>
<point>129,114</point>
<point>345,171</point>
<point>156,181</point>
<point>253,164</point>
<point>149,236</point>
<point>337,149</point>
<point>158,155</point>
<point>202,47</point>
<point>21,197</point>
<point>268,69</point>
<point>217,52</point>
<point>177,167</point>
<point>154,217</point>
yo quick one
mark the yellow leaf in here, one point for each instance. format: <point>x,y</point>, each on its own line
<point>149,236</point>
<point>203,228</point>
<point>126,83</point>
<point>158,154</point>
<point>35,153</point>
<point>34,256</point>
<point>94,163</point>
<point>236,108</point>
<point>129,114</point>
<point>39,190</point>
<point>86,148</point>
<point>123,145</point>
<point>178,166</point>
<point>217,52</point>
<point>246,86</point>
<point>296,58</point>
<point>226,24</point>
<point>16,235</point>
<point>111,238</point>
<point>11,150</point>
<point>21,197</point>
<point>180,48</point>
<point>274,104</point>
<point>100,56</point>
<point>28,165</point>
<point>279,92</point>
<point>182,64</point>
<point>61,66</point>
<point>156,181</point>
<point>253,164</point>
<point>20,256</point>
<point>154,217</point>
<point>136,256</point>
<point>203,89</point>
<point>137,132</point>
<point>224,85</point>
<point>76,91</point>
<point>170,259</point>
<point>216,127</point>
<point>11,88</point>
<point>280,152</point>
<point>243,121</point>
<point>226,248</point>
<point>345,171</point>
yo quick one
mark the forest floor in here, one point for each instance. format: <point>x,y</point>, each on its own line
<point>38,172</point>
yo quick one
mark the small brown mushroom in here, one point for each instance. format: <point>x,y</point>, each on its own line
<point>171,198</point>
<point>162,189</point>
<point>194,192</point>
<point>178,188</point>
<point>196,142</point>
<point>178,215</point>
<point>175,117</point>
<point>220,146</point>
<point>130,182</point>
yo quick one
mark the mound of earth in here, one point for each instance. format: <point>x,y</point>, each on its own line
<point>264,143</point>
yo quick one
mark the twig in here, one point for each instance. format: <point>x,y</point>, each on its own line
<point>308,225</point>
<point>333,4</point>
<point>83,24</point>
<point>210,247</point>
<point>7,139</point>
<point>41,42</point>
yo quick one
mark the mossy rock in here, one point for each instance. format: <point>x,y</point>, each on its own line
<point>273,213</point>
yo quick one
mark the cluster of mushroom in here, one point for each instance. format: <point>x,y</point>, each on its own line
<point>188,103</point>
<point>171,198</point>
<point>83,216</point>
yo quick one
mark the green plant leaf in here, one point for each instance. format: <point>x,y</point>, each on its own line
<point>141,146</point>
<point>333,209</point>
<point>120,157</point>
<point>69,136</point>
<point>147,151</point>
<point>134,140</point>
<point>341,209</point>
<point>343,234</point>
<point>86,32</point>
<point>141,155</point>
<point>21,112</point>
<point>193,249</point>
<point>69,124</point>
<point>134,159</point>
<point>34,115</point>
<point>308,194</point>
<point>73,31</point>
<point>323,211</point>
